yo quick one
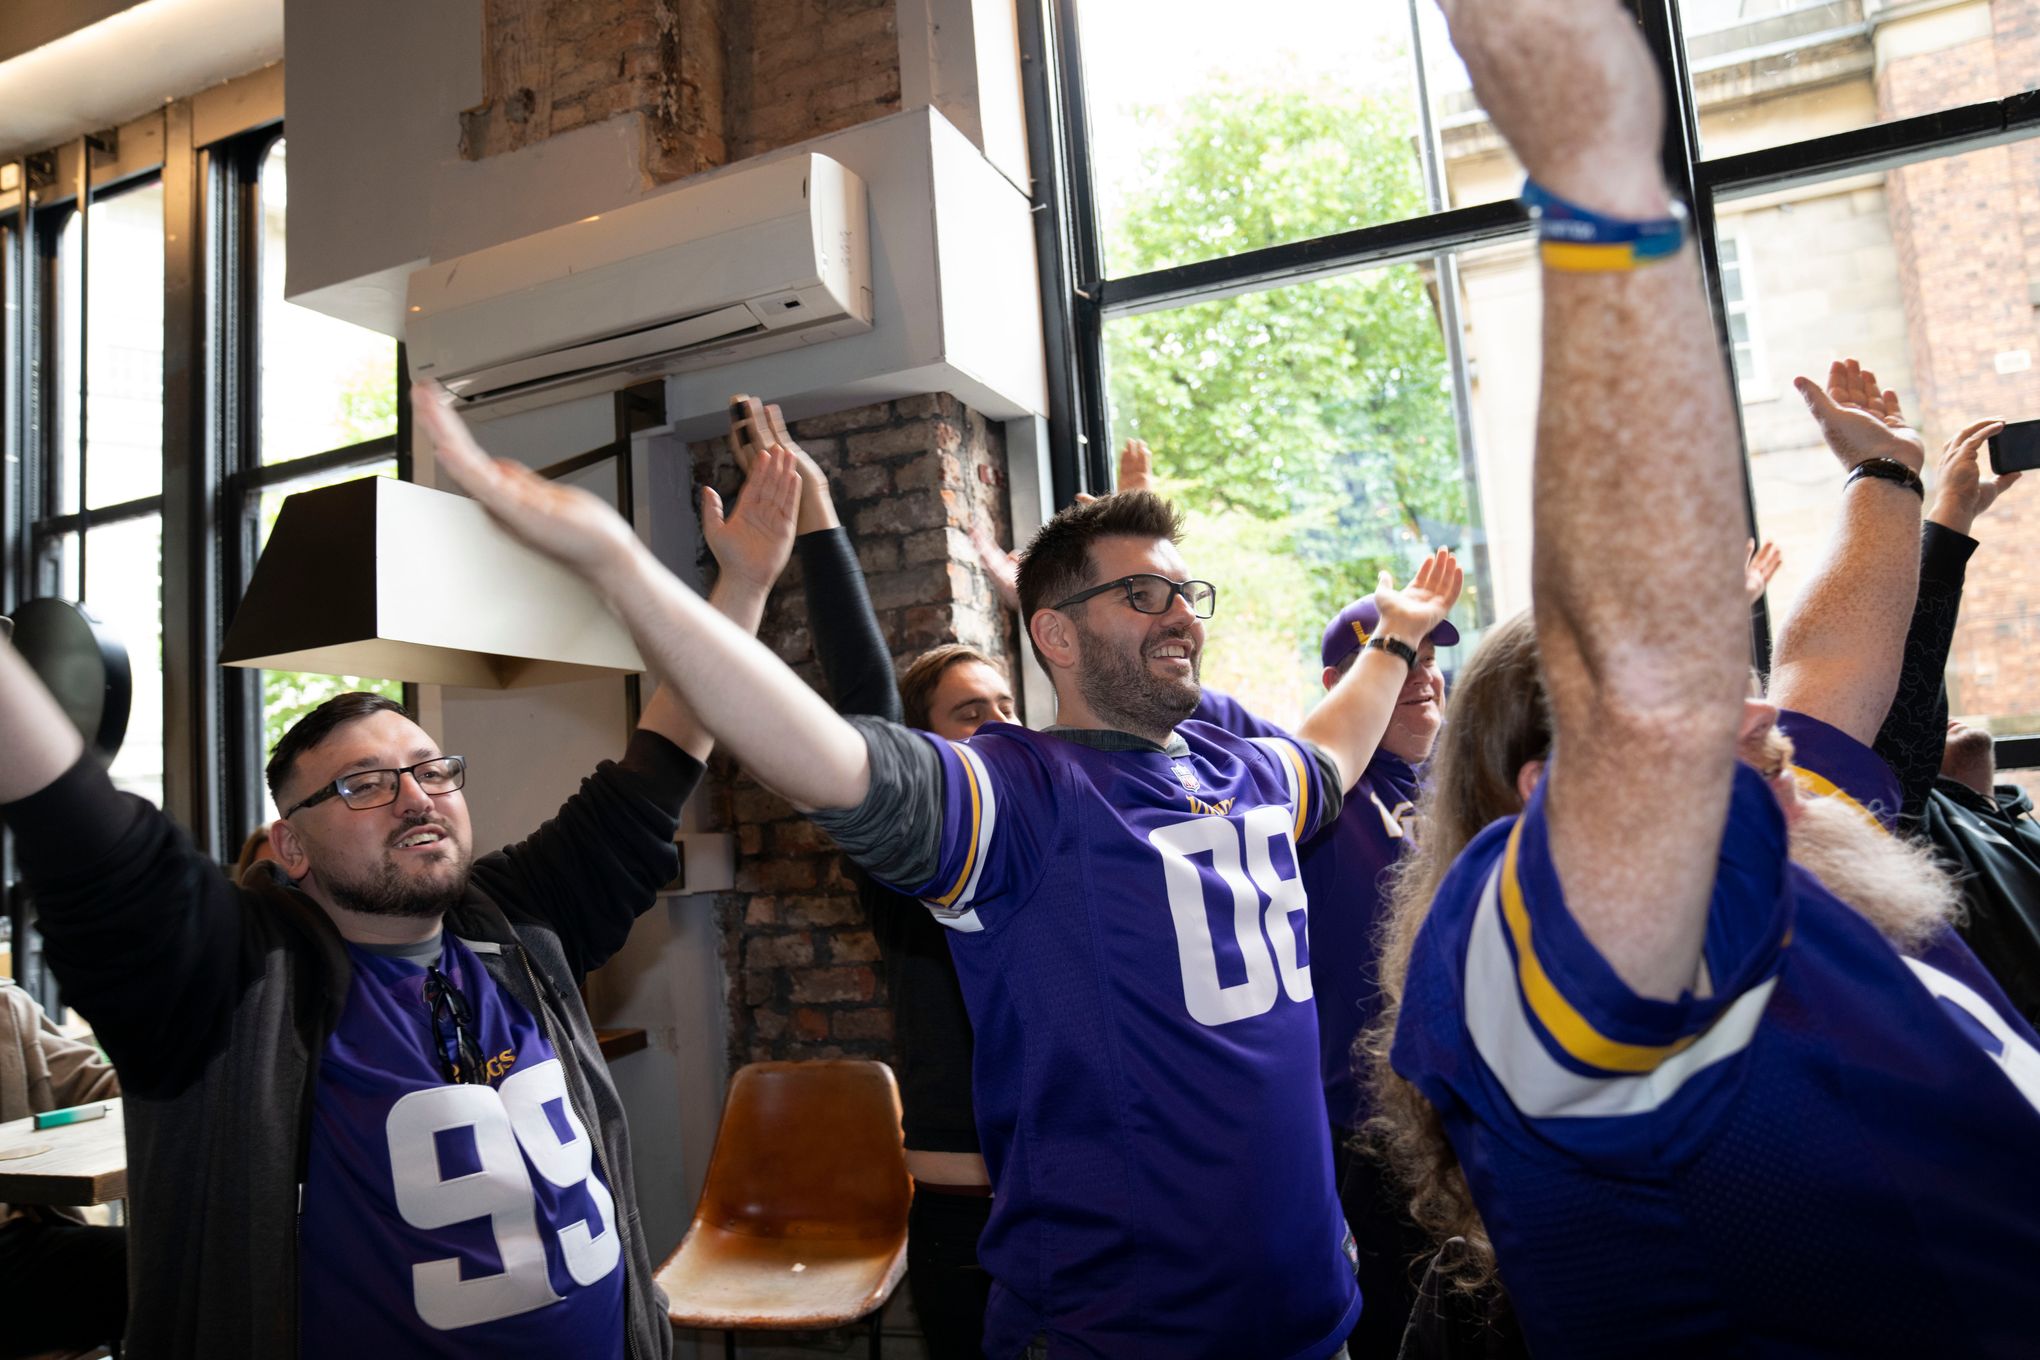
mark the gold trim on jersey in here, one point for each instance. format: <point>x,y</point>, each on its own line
<point>1574,1033</point>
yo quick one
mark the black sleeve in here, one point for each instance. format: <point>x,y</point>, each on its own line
<point>1915,730</point>
<point>1335,792</point>
<point>144,933</point>
<point>599,863</point>
<point>896,832</point>
<point>848,641</point>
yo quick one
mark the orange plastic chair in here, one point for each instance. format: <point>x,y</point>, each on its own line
<point>803,1222</point>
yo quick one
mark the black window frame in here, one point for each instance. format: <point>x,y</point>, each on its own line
<point>1078,299</point>
<point>213,476</point>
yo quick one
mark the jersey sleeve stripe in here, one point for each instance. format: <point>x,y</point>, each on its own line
<point>1537,1084</point>
<point>983,816</point>
<point>1298,775</point>
<point>1572,1031</point>
<point>1822,787</point>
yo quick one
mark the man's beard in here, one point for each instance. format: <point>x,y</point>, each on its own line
<point>1122,690</point>
<point>388,891</point>
<point>1893,883</point>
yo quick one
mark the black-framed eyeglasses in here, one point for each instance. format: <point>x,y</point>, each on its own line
<point>1152,594</point>
<point>365,789</point>
<point>460,1057</point>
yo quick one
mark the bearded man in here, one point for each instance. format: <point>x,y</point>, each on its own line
<point>1685,1096</point>
<point>366,1111</point>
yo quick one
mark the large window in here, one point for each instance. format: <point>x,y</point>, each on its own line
<point>1284,254</point>
<point>159,398</point>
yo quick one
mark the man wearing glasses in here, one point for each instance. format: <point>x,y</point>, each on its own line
<point>1127,919</point>
<point>366,1111</point>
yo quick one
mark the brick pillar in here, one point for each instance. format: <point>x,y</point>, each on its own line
<point>1967,232</point>
<point>551,67</point>
<point>910,477</point>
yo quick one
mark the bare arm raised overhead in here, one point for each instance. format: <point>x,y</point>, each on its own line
<point>741,693</point>
<point>1839,653</point>
<point>1638,509</point>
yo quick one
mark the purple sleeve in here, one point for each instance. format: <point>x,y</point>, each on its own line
<point>997,818</point>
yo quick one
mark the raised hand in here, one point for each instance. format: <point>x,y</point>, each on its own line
<point>566,523</point>
<point>754,426</point>
<point>1002,566</point>
<point>1572,87</point>
<point>1758,571</point>
<point>1961,491</point>
<point>1136,467</point>
<point>756,539</point>
<point>1409,614</point>
<point>1859,419</point>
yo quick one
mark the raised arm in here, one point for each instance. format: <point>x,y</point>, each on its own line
<point>37,742</point>
<point>740,692</point>
<point>1349,724</point>
<point>1915,730</point>
<point>847,639</point>
<point>1637,566</point>
<point>1839,652</point>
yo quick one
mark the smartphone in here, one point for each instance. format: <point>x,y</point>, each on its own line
<point>2016,448</point>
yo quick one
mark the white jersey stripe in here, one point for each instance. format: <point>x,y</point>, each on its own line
<point>1537,1084</point>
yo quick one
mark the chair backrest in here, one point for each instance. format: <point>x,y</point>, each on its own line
<point>809,1149</point>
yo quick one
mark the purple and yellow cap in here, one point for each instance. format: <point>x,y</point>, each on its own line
<point>1348,633</point>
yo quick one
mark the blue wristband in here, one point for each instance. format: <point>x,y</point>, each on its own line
<point>1577,238</point>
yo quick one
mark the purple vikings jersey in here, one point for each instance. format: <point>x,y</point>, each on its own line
<point>1342,875</point>
<point>1824,1148</point>
<point>1129,931</point>
<point>444,1219</point>
<point>1830,762</point>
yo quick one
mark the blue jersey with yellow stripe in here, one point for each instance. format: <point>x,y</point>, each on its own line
<point>1830,763</point>
<point>1129,929</point>
<point>1824,1147</point>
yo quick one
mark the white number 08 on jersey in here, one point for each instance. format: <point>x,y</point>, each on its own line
<point>1240,858</point>
<point>510,1124</point>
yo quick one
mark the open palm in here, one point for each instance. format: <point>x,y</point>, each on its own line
<point>1861,420</point>
<point>756,539</point>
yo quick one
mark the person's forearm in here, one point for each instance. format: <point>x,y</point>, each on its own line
<point>741,693</point>
<point>848,641</point>
<point>1839,654</point>
<point>37,742</point>
<point>1349,724</point>
<point>740,601</point>
<point>1641,625</point>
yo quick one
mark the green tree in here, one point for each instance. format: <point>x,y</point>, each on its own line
<point>1313,420</point>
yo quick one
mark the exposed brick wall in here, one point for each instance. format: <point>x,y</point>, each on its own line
<point>910,477</point>
<point>799,68</point>
<point>554,65</point>
<point>716,80</point>
<point>1967,230</point>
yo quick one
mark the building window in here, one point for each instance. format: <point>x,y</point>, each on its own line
<point>1286,257</point>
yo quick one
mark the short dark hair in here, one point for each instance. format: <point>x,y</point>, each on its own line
<point>1057,564</point>
<point>919,680</point>
<point>319,724</point>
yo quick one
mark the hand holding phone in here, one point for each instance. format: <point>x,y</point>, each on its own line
<point>2016,448</point>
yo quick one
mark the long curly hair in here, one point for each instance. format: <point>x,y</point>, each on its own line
<point>1500,720</point>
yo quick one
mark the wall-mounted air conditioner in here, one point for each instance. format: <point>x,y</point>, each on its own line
<point>761,259</point>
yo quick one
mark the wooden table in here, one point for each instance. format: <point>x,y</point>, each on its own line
<point>75,1164</point>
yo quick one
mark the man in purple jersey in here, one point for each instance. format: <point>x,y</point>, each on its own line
<point>1127,914</point>
<point>366,1110</point>
<point>1684,1095</point>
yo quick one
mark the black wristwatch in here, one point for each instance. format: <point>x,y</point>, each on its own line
<point>1382,642</point>
<point>1890,470</point>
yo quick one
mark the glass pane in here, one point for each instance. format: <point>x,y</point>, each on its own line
<point>1921,274</point>
<point>1769,72</point>
<point>1217,128</point>
<point>325,383</point>
<point>124,588</point>
<point>1479,167</point>
<point>124,426</point>
<point>288,695</point>
<point>1310,433</point>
